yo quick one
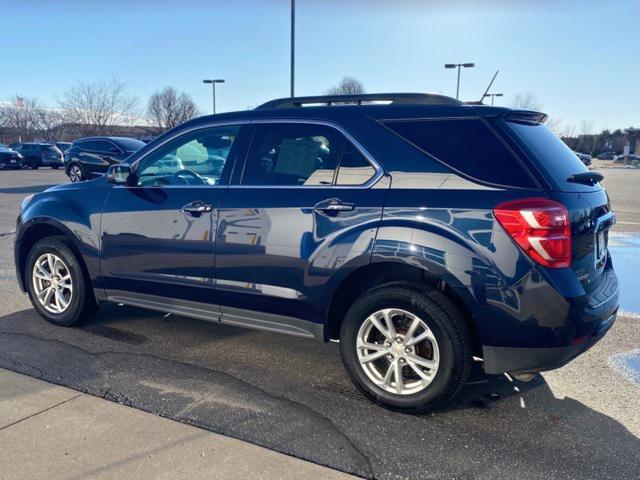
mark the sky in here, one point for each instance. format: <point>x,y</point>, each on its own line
<point>581,59</point>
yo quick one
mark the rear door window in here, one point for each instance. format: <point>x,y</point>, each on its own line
<point>130,144</point>
<point>293,154</point>
<point>467,146</point>
<point>354,168</point>
<point>106,147</point>
<point>300,154</point>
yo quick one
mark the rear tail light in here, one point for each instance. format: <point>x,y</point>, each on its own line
<point>541,227</point>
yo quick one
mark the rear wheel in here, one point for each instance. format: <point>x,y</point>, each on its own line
<point>57,285</point>
<point>76,174</point>
<point>405,347</point>
<point>55,167</point>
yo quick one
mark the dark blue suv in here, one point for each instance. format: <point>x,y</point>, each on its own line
<point>418,231</point>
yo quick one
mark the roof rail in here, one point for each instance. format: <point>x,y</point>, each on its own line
<point>391,98</point>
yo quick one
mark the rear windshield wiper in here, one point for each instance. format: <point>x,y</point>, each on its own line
<point>588,178</point>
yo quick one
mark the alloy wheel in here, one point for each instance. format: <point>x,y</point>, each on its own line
<point>75,173</point>
<point>52,283</point>
<point>398,351</point>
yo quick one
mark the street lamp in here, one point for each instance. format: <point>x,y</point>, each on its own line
<point>459,66</point>
<point>493,95</point>
<point>293,47</point>
<point>213,82</point>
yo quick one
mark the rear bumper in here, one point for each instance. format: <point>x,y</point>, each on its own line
<point>588,320</point>
<point>6,163</point>
<point>520,360</point>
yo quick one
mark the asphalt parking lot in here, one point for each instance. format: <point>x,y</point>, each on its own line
<point>293,395</point>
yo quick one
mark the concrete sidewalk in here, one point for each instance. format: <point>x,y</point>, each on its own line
<point>52,432</point>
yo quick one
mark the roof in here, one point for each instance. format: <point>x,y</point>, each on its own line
<point>360,99</point>
<point>345,108</point>
<point>103,137</point>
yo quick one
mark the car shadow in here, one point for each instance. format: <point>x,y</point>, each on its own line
<point>292,395</point>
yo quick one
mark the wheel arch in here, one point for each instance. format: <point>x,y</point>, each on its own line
<point>35,230</point>
<point>380,273</point>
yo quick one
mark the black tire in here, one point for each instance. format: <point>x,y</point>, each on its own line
<point>445,321</point>
<point>80,168</point>
<point>82,305</point>
<point>33,164</point>
<point>55,167</point>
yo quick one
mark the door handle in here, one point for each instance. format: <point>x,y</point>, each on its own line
<point>197,208</point>
<point>334,206</point>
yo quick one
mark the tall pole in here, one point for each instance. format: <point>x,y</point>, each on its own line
<point>213,82</point>
<point>214,97</point>
<point>293,46</point>
<point>459,66</point>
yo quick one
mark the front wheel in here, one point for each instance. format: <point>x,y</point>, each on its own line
<point>405,347</point>
<point>57,285</point>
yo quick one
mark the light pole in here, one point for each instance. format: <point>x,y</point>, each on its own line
<point>213,82</point>
<point>493,95</point>
<point>293,45</point>
<point>459,66</point>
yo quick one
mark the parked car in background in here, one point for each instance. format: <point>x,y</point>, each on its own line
<point>629,157</point>
<point>421,234</point>
<point>63,146</point>
<point>9,158</point>
<point>92,156</point>
<point>606,156</point>
<point>585,158</point>
<point>38,155</point>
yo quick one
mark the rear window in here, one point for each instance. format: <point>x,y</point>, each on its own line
<point>550,152</point>
<point>50,148</point>
<point>130,144</point>
<point>467,146</point>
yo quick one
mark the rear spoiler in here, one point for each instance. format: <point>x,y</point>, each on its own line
<point>526,116</point>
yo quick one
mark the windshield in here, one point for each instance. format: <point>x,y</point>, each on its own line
<point>130,144</point>
<point>550,153</point>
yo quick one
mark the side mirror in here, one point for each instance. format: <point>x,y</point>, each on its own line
<point>118,174</point>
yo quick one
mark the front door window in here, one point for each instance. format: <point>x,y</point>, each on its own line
<point>195,158</point>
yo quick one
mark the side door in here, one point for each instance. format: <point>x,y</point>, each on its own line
<point>158,234</point>
<point>302,212</point>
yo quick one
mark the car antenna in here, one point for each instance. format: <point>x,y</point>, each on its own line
<point>490,83</point>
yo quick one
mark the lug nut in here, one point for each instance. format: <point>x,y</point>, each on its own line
<point>398,340</point>
<point>402,360</point>
<point>389,357</point>
<point>407,350</point>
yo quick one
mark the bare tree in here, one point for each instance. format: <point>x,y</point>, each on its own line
<point>586,127</point>
<point>168,108</point>
<point>569,131</point>
<point>555,125</point>
<point>347,86</point>
<point>527,101</point>
<point>21,115</point>
<point>97,107</point>
<point>48,122</point>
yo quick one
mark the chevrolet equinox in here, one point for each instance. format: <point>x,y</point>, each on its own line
<point>418,231</point>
